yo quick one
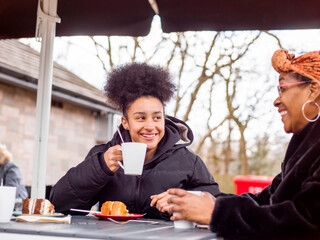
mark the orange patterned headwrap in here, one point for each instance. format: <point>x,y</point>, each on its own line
<point>307,65</point>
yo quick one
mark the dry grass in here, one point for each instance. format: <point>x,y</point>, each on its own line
<point>225,183</point>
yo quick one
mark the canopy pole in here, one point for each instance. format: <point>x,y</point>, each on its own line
<point>45,29</point>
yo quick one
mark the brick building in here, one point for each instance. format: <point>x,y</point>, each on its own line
<point>80,116</point>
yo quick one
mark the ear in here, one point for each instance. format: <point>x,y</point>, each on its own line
<point>314,90</point>
<point>125,123</point>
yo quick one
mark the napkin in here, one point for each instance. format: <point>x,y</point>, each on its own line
<point>33,218</point>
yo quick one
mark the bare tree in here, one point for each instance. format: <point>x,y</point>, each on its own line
<point>106,50</point>
<point>231,82</point>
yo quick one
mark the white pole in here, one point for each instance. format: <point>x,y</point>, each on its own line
<point>46,27</point>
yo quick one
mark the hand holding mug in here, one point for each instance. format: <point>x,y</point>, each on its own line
<point>160,201</point>
<point>191,207</point>
<point>112,156</point>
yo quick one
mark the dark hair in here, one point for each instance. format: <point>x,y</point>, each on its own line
<point>301,78</point>
<point>129,82</point>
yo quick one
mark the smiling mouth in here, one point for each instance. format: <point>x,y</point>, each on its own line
<point>283,113</point>
<point>149,136</point>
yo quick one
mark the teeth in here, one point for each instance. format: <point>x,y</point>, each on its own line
<point>148,136</point>
<point>283,113</point>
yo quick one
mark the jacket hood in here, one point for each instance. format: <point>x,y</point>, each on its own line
<point>177,135</point>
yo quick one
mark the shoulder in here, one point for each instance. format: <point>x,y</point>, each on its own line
<point>11,169</point>
<point>9,165</point>
<point>186,154</point>
<point>100,148</point>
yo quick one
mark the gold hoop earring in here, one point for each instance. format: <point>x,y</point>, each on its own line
<point>318,115</point>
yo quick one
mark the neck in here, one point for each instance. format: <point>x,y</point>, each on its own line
<point>149,155</point>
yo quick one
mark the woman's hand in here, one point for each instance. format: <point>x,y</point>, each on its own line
<point>161,201</point>
<point>190,206</point>
<point>112,156</point>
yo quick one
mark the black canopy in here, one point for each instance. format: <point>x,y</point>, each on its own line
<point>133,17</point>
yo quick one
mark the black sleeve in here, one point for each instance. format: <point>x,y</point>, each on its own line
<point>249,215</point>
<point>202,180</point>
<point>80,185</point>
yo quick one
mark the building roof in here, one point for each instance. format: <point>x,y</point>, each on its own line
<point>22,62</point>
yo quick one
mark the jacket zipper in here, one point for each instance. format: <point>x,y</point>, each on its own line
<point>137,194</point>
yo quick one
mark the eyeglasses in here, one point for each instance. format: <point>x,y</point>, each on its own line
<point>281,87</point>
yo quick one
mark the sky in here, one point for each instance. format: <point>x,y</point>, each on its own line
<point>79,56</point>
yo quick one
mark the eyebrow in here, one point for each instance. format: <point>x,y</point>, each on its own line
<point>157,112</point>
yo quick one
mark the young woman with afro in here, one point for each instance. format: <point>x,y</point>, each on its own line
<point>140,91</point>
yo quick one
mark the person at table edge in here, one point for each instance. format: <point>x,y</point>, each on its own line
<point>290,206</point>
<point>140,92</point>
<point>10,175</point>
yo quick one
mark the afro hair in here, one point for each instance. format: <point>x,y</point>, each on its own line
<point>131,81</point>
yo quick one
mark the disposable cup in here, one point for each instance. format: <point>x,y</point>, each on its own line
<point>185,223</point>
<point>7,201</point>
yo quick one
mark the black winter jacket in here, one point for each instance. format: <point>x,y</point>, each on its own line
<point>289,207</point>
<point>173,165</point>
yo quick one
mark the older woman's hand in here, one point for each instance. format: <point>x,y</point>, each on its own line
<point>161,201</point>
<point>190,206</point>
<point>112,156</point>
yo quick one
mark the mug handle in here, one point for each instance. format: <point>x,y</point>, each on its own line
<point>119,162</point>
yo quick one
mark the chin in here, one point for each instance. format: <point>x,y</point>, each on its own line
<point>288,129</point>
<point>151,146</point>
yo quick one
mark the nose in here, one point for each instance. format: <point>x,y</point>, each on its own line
<point>149,125</point>
<point>277,102</point>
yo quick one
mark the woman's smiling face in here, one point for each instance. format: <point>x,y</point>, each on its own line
<point>290,104</point>
<point>145,122</point>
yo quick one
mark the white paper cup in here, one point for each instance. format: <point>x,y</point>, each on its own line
<point>133,154</point>
<point>195,192</point>
<point>185,223</point>
<point>7,200</point>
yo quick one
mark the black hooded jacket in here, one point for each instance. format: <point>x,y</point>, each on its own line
<point>173,165</point>
<point>289,207</point>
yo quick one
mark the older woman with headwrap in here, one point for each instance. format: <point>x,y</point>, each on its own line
<point>290,206</point>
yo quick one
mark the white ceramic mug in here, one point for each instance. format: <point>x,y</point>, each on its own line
<point>185,223</point>
<point>7,201</point>
<point>133,154</point>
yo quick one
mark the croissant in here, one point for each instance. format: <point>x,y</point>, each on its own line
<point>114,208</point>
